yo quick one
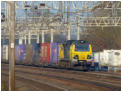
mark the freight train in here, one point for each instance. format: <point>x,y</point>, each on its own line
<point>70,54</point>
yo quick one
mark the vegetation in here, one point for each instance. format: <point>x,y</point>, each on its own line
<point>103,37</point>
<point>106,38</point>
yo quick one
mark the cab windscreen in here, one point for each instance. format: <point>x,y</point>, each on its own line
<point>82,47</point>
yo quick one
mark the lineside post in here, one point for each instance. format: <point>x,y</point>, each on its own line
<point>51,35</point>
<point>29,38</point>
<point>43,36</point>
<point>78,27</point>
<point>11,47</point>
<point>25,39</point>
<point>68,23</point>
<point>37,39</point>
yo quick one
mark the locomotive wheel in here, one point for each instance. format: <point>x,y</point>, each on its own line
<point>69,65</point>
<point>85,66</point>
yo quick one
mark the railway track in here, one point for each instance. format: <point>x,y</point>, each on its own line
<point>38,85</point>
<point>97,74</point>
<point>100,80</point>
<point>28,77</point>
<point>110,74</point>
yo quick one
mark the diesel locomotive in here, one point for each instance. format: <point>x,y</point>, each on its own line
<point>76,53</point>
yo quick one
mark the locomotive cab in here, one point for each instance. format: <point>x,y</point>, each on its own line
<point>81,53</point>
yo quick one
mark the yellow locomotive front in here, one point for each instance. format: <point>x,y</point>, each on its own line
<point>81,52</point>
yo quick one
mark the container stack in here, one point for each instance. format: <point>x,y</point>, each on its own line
<point>54,51</point>
<point>49,53</point>
<point>28,56</point>
<point>109,59</point>
<point>20,53</point>
<point>45,51</point>
<point>36,54</point>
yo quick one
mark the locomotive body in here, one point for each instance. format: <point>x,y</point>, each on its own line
<point>77,53</point>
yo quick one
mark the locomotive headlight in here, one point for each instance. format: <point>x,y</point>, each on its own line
<point>89,57</point>
<point>76,57</point>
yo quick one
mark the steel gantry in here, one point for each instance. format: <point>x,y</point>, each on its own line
<point>60,16</point>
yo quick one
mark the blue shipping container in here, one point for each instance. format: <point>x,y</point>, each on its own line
<point>36,53</point>
<point>20,52</point>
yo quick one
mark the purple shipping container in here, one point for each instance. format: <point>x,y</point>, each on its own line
<point>54,51</point>
<point>20,52</point>
<point>16,53</point>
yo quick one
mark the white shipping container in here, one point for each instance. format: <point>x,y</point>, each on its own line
<point>101,58</point>
<point>1,52</point>
<point>115,58</point>
<point>106,57</point>
<point>5,52</point>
